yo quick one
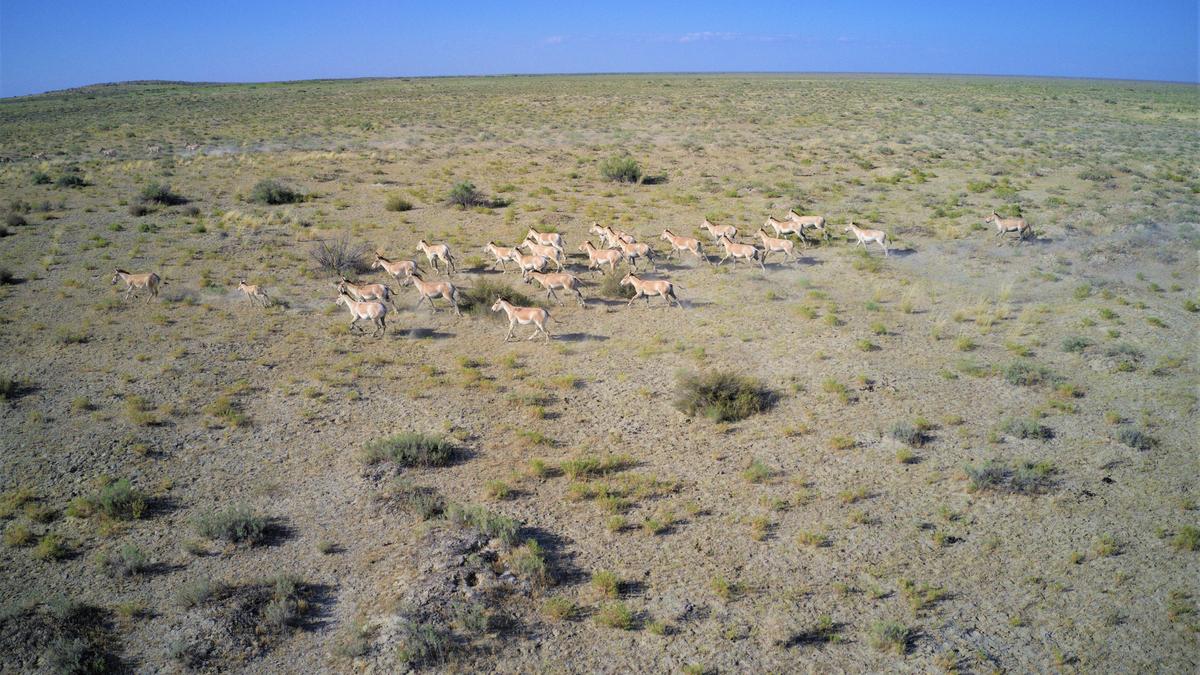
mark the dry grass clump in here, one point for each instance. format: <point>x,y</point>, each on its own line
<point>409,449</point>
<point>1025,373</point>
<point>1136,439</point>
<point>889,636</point>
<point>721,396</point>
<point>424,502</point>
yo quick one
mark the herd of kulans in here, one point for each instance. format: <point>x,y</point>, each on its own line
<point>543,250</point>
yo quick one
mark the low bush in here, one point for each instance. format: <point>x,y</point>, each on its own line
<point>889,636</point>
<point>909,434</point>
<point>1136,439</point>
<point>621,169</point>
<point>272,192</point>
<point>160,193</point>
<point>493,525</point>
<point>615,615</point>
<point>721,396</point>
<point>70,180</point>
<point>397,203</point>
<point>128,561</point>
<point>338,256</point>
<point>479,298</point>
<point>1075,344</point>
<point>610,287</point>
<point>1020,478</point>
<point>1021,427</point>
<point>1187,539</point>
<point>466,195</point>
<point>236,525</point>
<point>15,220</point>
<point>1024,373</point>
<point>424,502</point>
<point>409,449</point>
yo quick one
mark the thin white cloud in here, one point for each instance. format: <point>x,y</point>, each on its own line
<point>554,40</point>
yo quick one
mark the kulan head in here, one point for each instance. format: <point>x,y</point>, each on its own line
<point>627,279</point>
<point>116,275</point>
<point>991,217</point>
<point>498,305</point>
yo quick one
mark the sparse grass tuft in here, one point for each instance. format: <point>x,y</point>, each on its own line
<point>1187,539</point>
<point>490,524</point>
<point>1021,427</point>
<point>615,615</point>
<point>1025,373</point>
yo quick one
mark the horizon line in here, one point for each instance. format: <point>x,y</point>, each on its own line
<point>217,83</point>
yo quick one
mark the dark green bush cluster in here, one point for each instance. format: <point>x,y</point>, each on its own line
<point>409,449</point>
<point>466,195</point>
<point>622,169</point>
<point>270,191</point>
<point>160,193</point>
<point>1019,478</point>
<point>721,396</point>
<point>235,525</point>
<point>71,179</point>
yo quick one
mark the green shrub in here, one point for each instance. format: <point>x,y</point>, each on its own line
<point>424,644</point>
<point>1027,374</point>
<point>889,636</point>
<point>466,195</point>
<point>235,525</point>
<point>128,561</point>
<point>397,203</point>
<point>70,180</point>
<point>1075,344</point>
<point>339,256</point>
<point>1026,428</point>
<point>615,615</point>
<point>1136,439</point>
<point>409,449</point>
<point>160,193</point>
<point>621,169</point>
<point>41,178</point>
<point>15,220</point>
<point>1020,478</point>
<point>196,593</point>
<point>909,434</point>
<point>721,396</point>
<point>479,298</point>
<point>424,502</point>
<point>51,547</point>
<point>269,191</point>
<point>1187,539</point>
<point>610,287</point>
<point>118,499</point>
<point>491,524</point>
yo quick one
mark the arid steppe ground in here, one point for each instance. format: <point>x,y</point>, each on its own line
<point>981,454</point>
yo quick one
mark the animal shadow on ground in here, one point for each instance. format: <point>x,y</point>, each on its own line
<point>276,533</point>
<point>581,337</point>
<point>657,179</point>
<point>818,635</point>
<point>560,559</point>
<point>420,334</point>
<point>902,252</point>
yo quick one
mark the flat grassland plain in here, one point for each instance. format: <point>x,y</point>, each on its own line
<point>981,454</point>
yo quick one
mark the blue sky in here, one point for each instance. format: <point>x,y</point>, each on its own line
<point>48,45</point>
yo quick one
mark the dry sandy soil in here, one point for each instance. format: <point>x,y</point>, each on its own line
<point>848,527</point>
